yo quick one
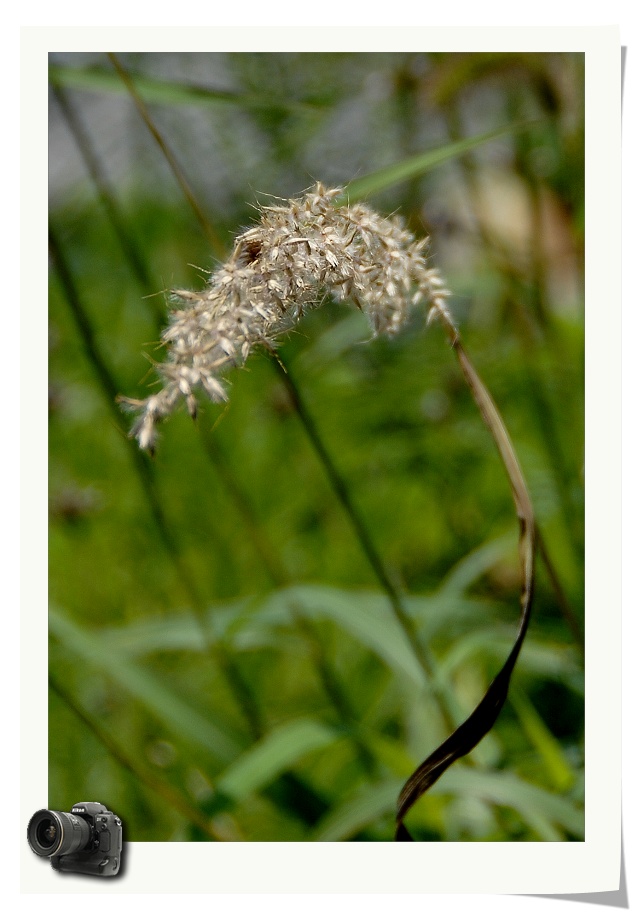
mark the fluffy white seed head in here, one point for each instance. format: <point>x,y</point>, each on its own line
<point>278,269</point>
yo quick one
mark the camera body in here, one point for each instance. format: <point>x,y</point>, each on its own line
<point>89,839</point>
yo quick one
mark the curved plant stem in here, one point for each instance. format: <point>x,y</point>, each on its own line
<point>473,729</point>
<point>531,325</point>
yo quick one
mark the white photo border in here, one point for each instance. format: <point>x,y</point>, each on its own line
<point>592,865</point>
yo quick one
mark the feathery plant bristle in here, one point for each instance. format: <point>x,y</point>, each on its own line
<point>278,269</point>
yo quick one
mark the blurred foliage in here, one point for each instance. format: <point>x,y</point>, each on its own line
<point>224,663</point>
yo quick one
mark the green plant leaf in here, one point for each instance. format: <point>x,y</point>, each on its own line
<point>172,633</point>
<point>545,659</point>
<point>542,810</point>
<point>250,623</point>
<point>536,805</point>
<point>551,752</point>
<point>474,565</point>
<point>421,163</point>
<point>166,92</point>
<point>352,815</point>
<point>166,706</point>
<point>273,754</point>
<point>365,615</point>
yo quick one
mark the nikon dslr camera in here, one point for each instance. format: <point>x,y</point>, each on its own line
<point>87,840</point>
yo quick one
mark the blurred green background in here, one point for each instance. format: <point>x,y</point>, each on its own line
<point>224,662</point>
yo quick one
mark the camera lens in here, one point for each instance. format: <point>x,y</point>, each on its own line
<point>56,833</point>
<point>46,833</point>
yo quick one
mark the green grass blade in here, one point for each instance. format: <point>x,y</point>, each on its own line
<point>352,815</point>
<point>250,623</point>
<point>421,163</point>
<point>539,658</point>
<point>168,708</point>
<point>177,632</point>
<point>542,810</point>
<point>506,789</point>
<point>273,755</point>
<point>364,616</point>
<point>166,92</point>
<point>476,563</point>
<point>553,757</point>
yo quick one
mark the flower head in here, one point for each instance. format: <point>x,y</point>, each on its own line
<point>279,268</point>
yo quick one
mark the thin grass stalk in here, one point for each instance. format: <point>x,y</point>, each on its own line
<point>142,464</point>
<point>566,610</point>
<point>331,684</point>
<point>217,244</point>
<point>329,680</point>
<point>361,531</point>
<point>106,195</point>
<point>155,784</point>
<point>145,475</point>
<point>336,480</point>
<point>141,273</point>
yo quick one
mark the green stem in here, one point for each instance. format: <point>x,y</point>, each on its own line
<point>149,780</point>
<point>423,655</point>
<point>217,244</point>
<point>145,475</point>
<point>264,550</point>
<point>92,161</point>
<point>279,578</point>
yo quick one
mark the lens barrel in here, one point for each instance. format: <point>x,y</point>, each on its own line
<point>56,833</point>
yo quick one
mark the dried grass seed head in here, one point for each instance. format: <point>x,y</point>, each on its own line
<point>279,268</point>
